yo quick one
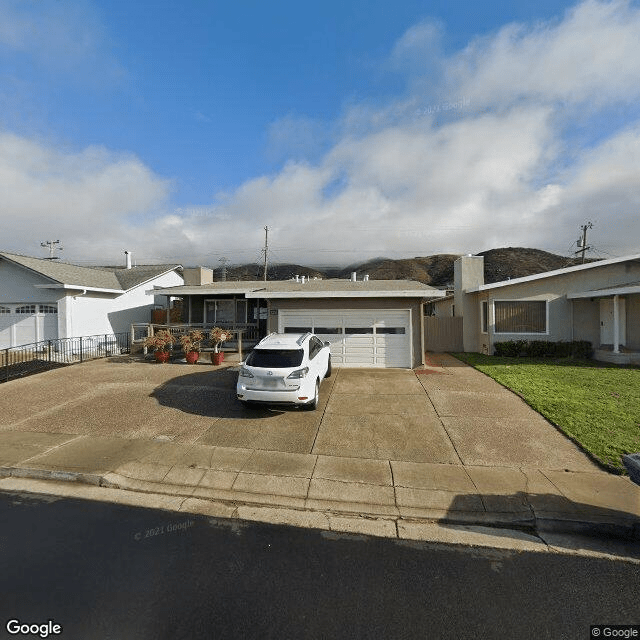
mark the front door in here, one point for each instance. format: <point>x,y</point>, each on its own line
<point>606,321</point>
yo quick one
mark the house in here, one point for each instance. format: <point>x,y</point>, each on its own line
<point>369,323</point>
<point>46,299</point>
<point>598,302</point>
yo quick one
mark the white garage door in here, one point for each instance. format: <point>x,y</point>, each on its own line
<point>376,338</point>
<point>27,323</point>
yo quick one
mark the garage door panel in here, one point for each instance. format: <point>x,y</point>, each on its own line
<point>369,339</point>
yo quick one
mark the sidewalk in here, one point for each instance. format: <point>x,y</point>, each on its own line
<point>507,503</point>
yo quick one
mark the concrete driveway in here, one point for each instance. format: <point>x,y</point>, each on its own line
<point>441,415</point>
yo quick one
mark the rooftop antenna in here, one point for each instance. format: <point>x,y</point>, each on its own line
<point>51,244</point>
<point>582,240</point>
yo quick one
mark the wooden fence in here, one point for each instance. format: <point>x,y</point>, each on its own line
<point>443,334</point>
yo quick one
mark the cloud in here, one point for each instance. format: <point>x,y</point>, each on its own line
<point>63,37</point>
<point>87,198</point>
<point>498,171</point>
<point>592,55</point>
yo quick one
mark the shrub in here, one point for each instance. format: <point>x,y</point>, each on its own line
<point>543,348</point>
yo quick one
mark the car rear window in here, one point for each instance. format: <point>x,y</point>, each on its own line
<point>275,358</point>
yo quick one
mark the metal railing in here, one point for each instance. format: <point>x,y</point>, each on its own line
<point>244,335</point>
<point>31,358</point>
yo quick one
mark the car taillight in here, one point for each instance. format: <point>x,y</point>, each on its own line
<point>245,373</point>
<point>299,373</point>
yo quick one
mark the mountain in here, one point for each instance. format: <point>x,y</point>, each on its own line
<point>435,270</point>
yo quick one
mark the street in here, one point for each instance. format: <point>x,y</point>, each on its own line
<point>110,571</point>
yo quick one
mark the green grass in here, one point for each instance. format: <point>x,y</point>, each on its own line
<point>596,405</point>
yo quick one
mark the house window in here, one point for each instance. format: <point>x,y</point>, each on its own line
<point>5,310</point>
<point>484,316</point>
<point>220,311</point>
<point>520,316</point>
<point>47,308</point>
<point>26,308</point>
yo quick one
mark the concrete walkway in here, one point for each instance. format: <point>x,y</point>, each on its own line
<point>430,454</point>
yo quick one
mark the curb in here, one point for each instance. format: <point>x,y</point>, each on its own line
<point>532,525</point>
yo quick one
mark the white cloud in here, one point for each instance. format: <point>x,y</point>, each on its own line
<point>86,198</point>
<point>592,55</point>
<point>62,36</point>
<point>496,172</point>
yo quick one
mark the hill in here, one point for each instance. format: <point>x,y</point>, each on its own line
<point>435,270</point>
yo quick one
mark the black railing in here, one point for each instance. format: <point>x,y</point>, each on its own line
<point>31,358</point>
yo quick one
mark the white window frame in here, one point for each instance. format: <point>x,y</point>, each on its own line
<point>484,321</point>
<point>521,333</point>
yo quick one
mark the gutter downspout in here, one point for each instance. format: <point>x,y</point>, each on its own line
<point>423,357</point>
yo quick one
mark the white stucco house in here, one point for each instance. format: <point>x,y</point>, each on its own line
<point>369,323</point>
<point>47,299</point>
<point>598,302</point>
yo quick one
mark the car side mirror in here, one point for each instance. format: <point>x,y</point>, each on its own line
<point>327,344</point>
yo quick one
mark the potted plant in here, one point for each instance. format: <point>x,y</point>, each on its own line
<point>161,343</point>
<point>191,345</point>
<point>218,336</point>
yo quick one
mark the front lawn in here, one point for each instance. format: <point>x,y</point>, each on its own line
<point>597,405</point>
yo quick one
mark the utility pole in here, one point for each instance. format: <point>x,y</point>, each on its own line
<point>582,241</point>
<point>223,273</point>
<point>51,244</point>
<point>265,250</point>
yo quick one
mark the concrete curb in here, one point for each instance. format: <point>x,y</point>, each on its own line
<point>359,516</point>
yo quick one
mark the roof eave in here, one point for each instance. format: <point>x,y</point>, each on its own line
<point>77,287</point>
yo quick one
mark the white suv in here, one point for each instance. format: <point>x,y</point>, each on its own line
<point>285,368</point>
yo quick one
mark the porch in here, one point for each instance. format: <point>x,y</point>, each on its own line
<point>245,335</point>
<point>624,355</point>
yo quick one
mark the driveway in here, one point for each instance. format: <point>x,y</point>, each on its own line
<point>445,415</point>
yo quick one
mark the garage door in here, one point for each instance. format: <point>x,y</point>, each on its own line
<point>376,338</point>
<point>27,323</point>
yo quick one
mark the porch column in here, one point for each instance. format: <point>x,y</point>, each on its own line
<point>616,324</point>
<point>168,309</point>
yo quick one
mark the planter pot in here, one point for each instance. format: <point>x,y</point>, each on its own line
<point>192,357</point>
<point>162,356</point>
<point>217,358</point>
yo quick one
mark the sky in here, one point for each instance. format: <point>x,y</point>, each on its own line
<point>178,130</point>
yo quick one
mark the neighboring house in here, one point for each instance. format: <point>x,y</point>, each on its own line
<point>369,323</point>
<point>598,302</point>
<point>47,299</point>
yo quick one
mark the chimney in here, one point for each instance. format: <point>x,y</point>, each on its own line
<point>128,259</point>
<point>354,276</point>
<point>366,277</point>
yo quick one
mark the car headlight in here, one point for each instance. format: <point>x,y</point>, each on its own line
<point>245,373</point>
<point>299,373</point>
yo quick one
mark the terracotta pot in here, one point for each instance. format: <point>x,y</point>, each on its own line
<point>162,356</point>
<point>192,357</point>
<point>217,358</point>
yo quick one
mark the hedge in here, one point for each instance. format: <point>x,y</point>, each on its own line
<point>581,349</point>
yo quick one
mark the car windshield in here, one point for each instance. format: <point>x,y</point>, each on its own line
<point>275,358</point>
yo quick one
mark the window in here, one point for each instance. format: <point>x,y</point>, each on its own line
<point>484,316</point>
<point>47,308</point>
<point>275,358</point>
<point>315,347</point>
<point>520,316</point>
<point>26,308</point>
<point>358,330</point>
<point>5,310</point>
<point>297,330</point>
<point>328,330</point>
<point>390,330</point>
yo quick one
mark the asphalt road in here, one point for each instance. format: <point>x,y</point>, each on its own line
<point>109,571</point>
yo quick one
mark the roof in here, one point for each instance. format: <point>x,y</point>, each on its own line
<point>556,272</point>
<point>65,275</point>
<point>334,287</point>
<point>620,290</point>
